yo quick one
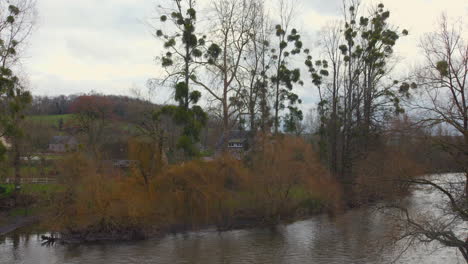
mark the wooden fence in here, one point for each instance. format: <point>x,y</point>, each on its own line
<point>30,180</point>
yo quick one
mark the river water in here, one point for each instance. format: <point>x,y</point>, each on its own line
<point>357,236</point>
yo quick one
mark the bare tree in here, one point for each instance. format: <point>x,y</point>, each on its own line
<point>330,41</point>
<point>254,77</point>
<point>17,20</point>
<point>443,85</point>
<point>358,97</point>
<point>231,34</point>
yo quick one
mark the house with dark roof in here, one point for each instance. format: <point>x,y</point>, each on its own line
<point>61,144</point>
<point>236,142</point>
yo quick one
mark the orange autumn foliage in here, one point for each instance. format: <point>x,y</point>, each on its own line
<point>383,174</point>
<point>286,171</point>
<point>100,198</point>
<point>280,178</point>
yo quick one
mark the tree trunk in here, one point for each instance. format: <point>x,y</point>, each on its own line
<point>16,166</point>
<point>277,95</point>
<point>334,132</point>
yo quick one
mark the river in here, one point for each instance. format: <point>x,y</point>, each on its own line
<point>357,236</point>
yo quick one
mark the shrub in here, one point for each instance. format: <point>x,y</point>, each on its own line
<point>200,192</point>
<point>99,200</point>
<point>284,167</point>
<point>284,178</point>
<point>383,174</point>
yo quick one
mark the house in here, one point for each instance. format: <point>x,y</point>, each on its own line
<point>124,164</point>
<point>61,144</point>
<point>5,143</point>
<point>236,142</point>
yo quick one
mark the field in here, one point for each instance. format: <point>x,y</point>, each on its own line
<point>36,190</point>
<point>31,171</point>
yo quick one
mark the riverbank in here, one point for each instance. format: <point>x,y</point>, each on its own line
<point>96,233</point>
<point>316,240</point>
<point>26,208</point>
<point>11,224</point>
<point>36,212</point>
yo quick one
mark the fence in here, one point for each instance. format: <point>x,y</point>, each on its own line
<point>30,180</point>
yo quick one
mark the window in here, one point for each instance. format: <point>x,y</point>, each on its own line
<point>235,145</point>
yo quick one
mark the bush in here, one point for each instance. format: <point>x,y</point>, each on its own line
<point>284,178</point>
<point>200,192</point>
<point>100,200</point>
<point>286,173</point>
<point>383,174</point>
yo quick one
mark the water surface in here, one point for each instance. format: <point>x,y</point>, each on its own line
<point>358,236</point>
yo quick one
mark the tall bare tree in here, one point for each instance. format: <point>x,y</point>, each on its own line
<point>330,40</point>
<point>443,101</point>
<point>232,30</point>
<point>360,95</point>
<point>256,67</point>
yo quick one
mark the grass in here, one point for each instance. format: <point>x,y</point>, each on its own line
<point>125,126</point>
<point>52,156</point>
<point>8,190</point>
<point>28,172</point>
<point>42,195</point>
<point>42,191</point>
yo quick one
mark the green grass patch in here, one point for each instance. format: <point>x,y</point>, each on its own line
<point>42,188</point>
<point>42,191</point>
<point>8,190</point>
<point>20,212</point>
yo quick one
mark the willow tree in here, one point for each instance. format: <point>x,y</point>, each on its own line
<point>16,21</point>
<point>183,46</point>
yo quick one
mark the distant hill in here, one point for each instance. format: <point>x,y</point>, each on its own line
<point>51,119</point>
<point>123,108</point>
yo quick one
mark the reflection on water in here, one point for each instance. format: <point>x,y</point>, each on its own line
<point>358,236</point>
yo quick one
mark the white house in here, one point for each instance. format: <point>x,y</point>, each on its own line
<point>4,142</point>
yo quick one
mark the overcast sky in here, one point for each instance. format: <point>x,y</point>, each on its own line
<point>104,45</point>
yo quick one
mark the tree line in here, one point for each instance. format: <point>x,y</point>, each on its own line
<point>244,62</point>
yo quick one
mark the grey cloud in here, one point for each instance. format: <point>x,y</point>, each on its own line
<point>327,7</point>
<point>91,14</point>
<point>108,47</point>
<point>110,35</point>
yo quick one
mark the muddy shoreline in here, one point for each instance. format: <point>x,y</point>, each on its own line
<point>137,233</point>
<point>18,222</point>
